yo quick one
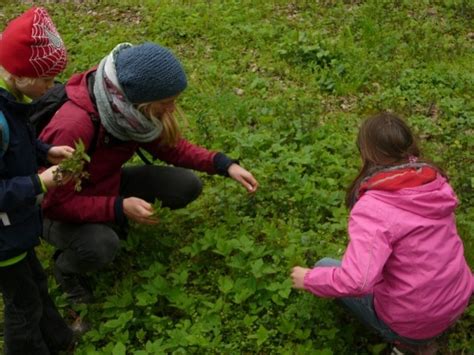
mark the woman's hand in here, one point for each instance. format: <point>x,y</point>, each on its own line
<point>58,153</point>
<point>139,210</point>
<point>298,275</point>
<point>244,177</point>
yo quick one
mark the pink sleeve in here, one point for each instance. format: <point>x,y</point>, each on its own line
<point>184,154</point>
<point>363,261</point>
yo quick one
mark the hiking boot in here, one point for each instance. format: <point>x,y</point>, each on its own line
<point>75,286</point>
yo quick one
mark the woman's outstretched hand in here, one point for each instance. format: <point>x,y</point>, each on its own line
<point>244,177</point>
<point>298,273</point>
<point>58,153</point>
<point>139,210</point>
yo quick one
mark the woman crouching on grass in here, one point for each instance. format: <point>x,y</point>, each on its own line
<point>404,273</point>
<point>126,103</point>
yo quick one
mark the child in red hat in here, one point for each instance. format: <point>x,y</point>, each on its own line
<point>31,54</point>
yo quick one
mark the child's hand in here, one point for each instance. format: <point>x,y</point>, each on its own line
<point>58,153</point>
<point>47,177</point>
<point>139,210</point>
<point>298,275</point>
<point>244,177</point>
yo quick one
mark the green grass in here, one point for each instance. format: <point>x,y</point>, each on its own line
<point>282,86</point>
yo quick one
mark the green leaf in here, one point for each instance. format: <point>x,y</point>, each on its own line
<point>145,299</point>
<point>256,268</point>
<point>226,284</point>
<point>119,349</point>
<point>261,335</point>
<point>285,289</point>
<point>120,322</point>
<point>324,351</point>
<point>244,289</point>
<point>249,320</point>
<point>378,348</point>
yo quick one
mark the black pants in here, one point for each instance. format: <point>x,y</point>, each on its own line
<point>33,325</point>
<point>89,246</point>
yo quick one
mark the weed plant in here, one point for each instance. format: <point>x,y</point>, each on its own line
<point>282,86</point>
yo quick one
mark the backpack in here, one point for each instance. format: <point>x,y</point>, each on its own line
<point>4,134</point>
<point>48,104</point>
<point>45,108</point>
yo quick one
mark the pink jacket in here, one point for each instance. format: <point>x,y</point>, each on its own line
<point>404,249</point>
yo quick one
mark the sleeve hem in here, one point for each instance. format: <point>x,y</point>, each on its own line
<point>222,163</point>
<point>37,184</point>
<point>120,218</point>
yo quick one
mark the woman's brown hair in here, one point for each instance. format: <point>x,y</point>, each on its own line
<point>171,132</point>
<point>384,140</point>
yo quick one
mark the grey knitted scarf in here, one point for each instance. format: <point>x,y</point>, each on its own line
<point>119,116</point>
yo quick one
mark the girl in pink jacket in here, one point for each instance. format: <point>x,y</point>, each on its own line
<point>404,273</point>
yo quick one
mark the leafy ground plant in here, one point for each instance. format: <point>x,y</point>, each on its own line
<point>282,86</point>
<point>73,167</point>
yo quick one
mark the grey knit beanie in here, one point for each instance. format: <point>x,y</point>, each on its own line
<point>149,72</point>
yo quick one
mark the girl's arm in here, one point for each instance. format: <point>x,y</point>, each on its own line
<point>363,261</point>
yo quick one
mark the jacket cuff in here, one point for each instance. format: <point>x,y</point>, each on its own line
<point>42,151</point>
<point>307,280</point>
<point>37,184</point>
<point>118,208</point>
<point>222,163</point>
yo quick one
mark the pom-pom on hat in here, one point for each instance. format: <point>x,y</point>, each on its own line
<point>149,72</point>
<point>30,46</point>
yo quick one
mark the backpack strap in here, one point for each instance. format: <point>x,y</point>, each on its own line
<point>95,138</point>
<point>143,157</point>
<point>4,134</point>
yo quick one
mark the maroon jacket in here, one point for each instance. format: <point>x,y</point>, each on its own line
<point>99,199</point>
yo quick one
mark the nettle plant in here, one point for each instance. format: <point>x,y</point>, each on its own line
<point>73,167</point>
<point>282,86</point>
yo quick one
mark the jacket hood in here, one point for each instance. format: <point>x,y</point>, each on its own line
<point>78,92</point>
<point>434,200</point>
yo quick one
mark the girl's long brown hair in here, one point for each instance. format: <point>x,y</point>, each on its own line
<point>384,140</point>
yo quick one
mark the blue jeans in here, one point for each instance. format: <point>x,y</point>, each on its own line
<point>363,309</point>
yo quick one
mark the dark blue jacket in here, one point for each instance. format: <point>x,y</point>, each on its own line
<point>20,187</point>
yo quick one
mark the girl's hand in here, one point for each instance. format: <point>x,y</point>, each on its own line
<point>139,210</point>
<point>244,177</point>
<point>298,275</point>
<point>58,153</point>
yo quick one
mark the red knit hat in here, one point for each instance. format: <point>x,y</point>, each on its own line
<point>30,46</point>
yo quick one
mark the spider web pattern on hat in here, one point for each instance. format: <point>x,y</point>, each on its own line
<point>48,55</point>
